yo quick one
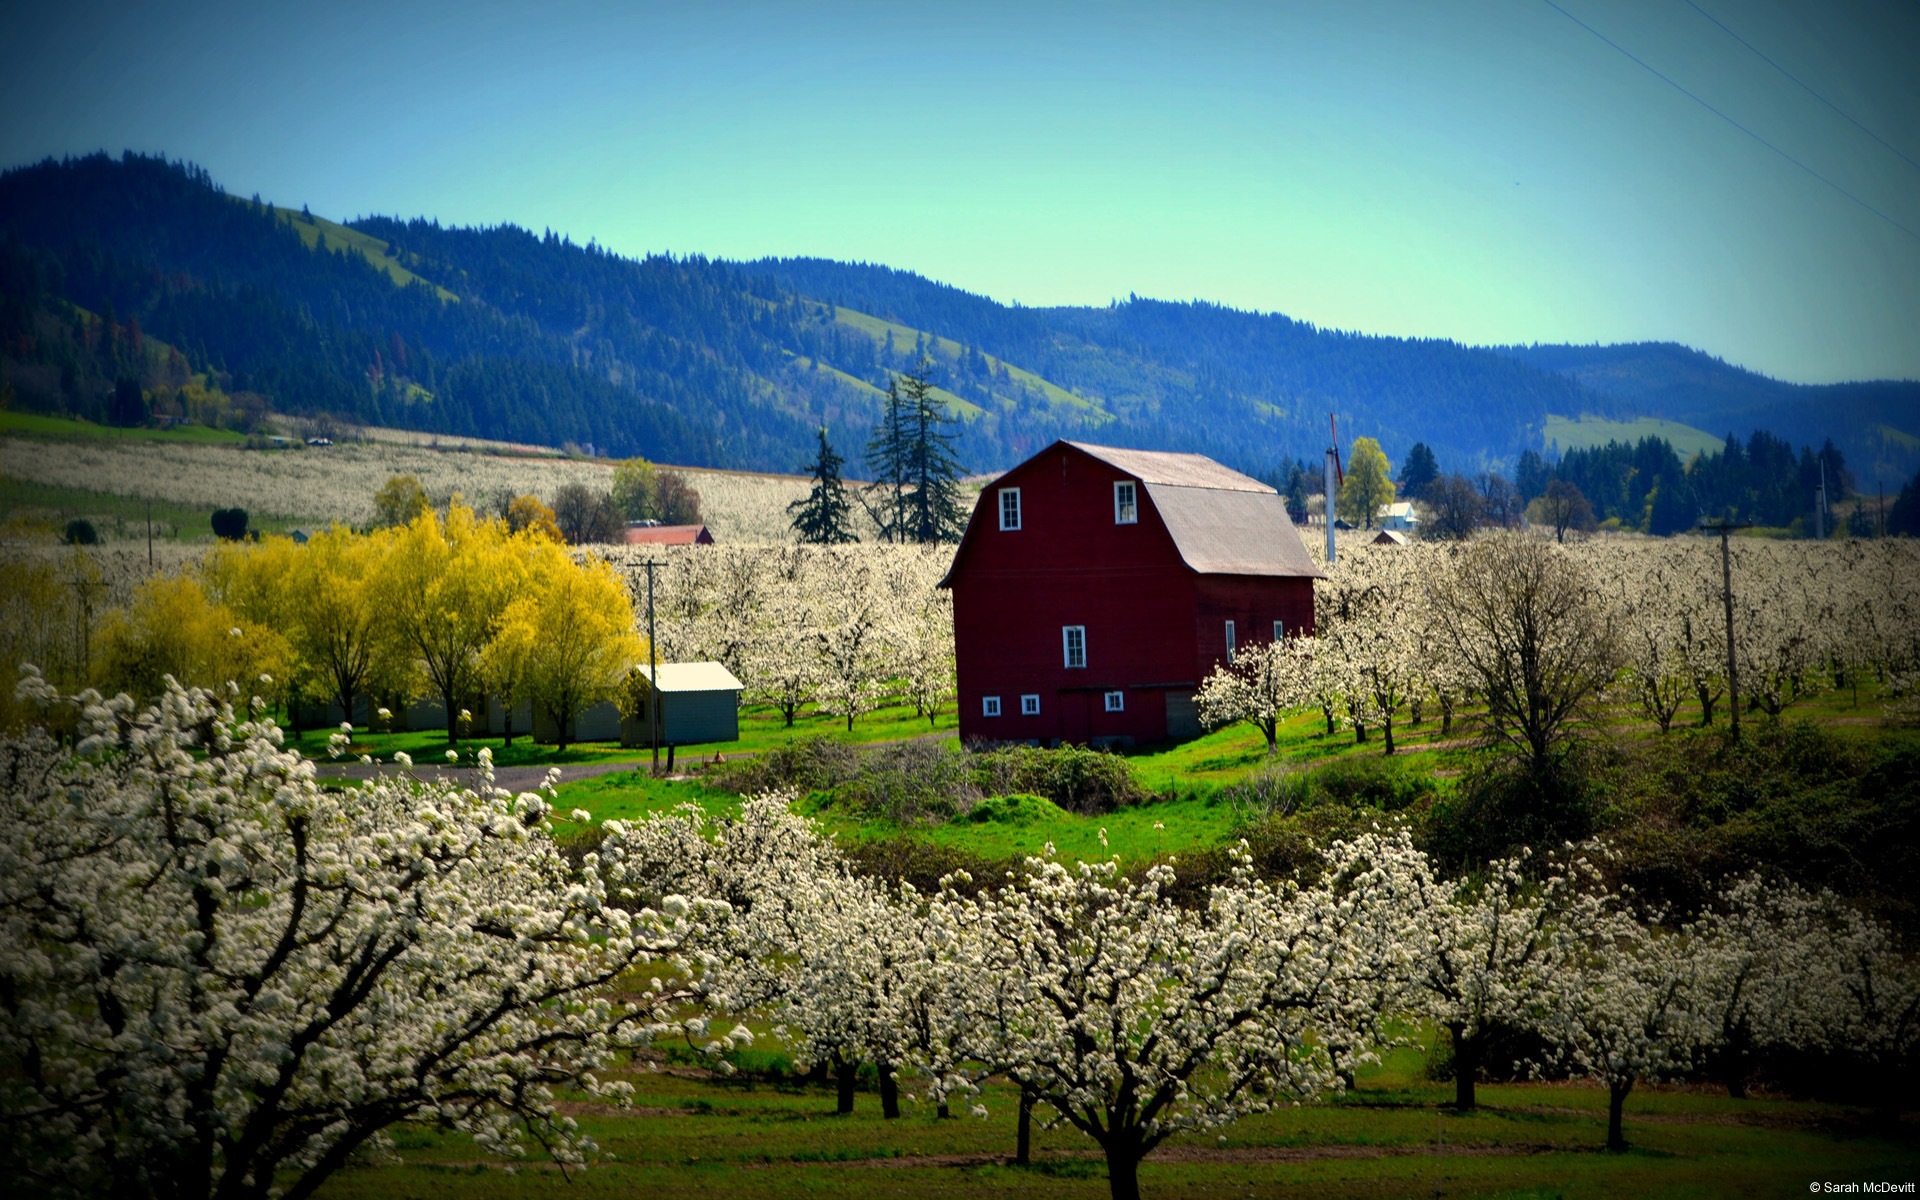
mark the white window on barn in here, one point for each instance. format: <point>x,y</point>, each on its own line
<point>1030,705</point>
<point>1126,508</point>
<point>1279,631</point>
<point>1116,702</point>
<point>1009,508</point>
<point>1229,641</point>
<point>989,706</point>
<point>1073,644</point>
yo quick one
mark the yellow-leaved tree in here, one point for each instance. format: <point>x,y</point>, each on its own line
<point>567,638</point>
<point>339,626</point>
<point>252,579</point>
<point>173,628</point>
<point>1368,484</point>
<point>445,587</point>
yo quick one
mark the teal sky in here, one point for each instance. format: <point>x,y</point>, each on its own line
<point>1484,171</point>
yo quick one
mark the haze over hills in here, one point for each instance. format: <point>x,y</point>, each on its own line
<point>529,337</point>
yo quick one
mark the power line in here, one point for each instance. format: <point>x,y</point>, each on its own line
<point>1803,85</point>
<point>1678,87</point>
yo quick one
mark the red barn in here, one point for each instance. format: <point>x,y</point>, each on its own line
<point>1095,588</point>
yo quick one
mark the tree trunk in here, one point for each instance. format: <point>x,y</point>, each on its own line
<point>669,758</point>
<point>1023,1135</point>
<point>943,1113</point>
<point>1706,706</point>
<point>1123,1171</point>
<point>506,720</point>
<point>1359,733</point>
<point>1466,1066</point>
<point>453,718</point>
<point>1616,1107</point>
<point>1328,711</point>
<point>843,1073</point>
<point>889,1092</point>
<point>1387,729</point>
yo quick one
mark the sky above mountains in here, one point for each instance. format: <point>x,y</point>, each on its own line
<point>1492,171</point>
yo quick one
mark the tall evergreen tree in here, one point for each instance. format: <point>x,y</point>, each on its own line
<point>934,511</point>
<point>822,518</point>
<point>1418,472</point>
<point>916,471</point>
<point>888,458</point>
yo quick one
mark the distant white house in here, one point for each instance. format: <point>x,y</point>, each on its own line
<point>1399,516</point>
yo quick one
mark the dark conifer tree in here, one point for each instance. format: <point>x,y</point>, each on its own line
<point>935,513</point>
<point>1418,472</point>
<point>823,517</point>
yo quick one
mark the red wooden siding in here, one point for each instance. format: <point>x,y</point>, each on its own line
<point>1152,624</point>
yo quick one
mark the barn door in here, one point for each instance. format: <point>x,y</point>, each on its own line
<point>1076,717</point>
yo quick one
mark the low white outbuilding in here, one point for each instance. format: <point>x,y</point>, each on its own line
<point>699,702</point>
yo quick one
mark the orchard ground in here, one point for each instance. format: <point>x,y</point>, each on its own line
<point>690,1133</point>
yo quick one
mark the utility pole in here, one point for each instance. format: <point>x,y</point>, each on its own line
<point>1333,477</point>
<point>1724,527</point>
<point>653,675</point>
<point>1820,504</point>
<point>149,535</point>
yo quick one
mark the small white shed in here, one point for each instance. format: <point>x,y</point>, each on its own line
<point>699,702</point>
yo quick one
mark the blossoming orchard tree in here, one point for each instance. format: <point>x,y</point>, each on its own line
<point>219,979</point>
<point>1632,1004</point>
<point>1491,949</point>
<point>1263,682</point>
<point>1133,1019</point>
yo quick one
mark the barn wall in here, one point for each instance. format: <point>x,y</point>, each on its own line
<point>1154,628</point>
<point>1069,564</point>
<point>1253,604</point>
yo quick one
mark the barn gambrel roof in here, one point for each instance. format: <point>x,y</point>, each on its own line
<point>1222,522</point>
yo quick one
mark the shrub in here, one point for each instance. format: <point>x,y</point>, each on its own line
<point>808,765</point>
<point>230,524</point>
<point>1502,806</point>
<point>80,532</point>
<point>912,781</point>
<point>1076,778</point>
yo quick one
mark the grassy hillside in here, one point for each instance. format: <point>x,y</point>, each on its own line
<point>311,229</point>
<point>1579,433</point>
<point>904,336</point>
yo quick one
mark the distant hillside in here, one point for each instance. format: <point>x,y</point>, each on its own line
<point>504,333</point>
<point>1874,423</point>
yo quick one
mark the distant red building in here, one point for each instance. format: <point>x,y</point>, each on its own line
<point>668,535</point>
<point>1096,587</point>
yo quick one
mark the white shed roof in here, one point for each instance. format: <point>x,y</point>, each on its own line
<point>693,677</point>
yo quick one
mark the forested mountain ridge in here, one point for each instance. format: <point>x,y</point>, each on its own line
<point>529,337</point>
<point>1874,421</point>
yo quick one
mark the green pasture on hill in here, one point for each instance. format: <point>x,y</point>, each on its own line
<point>115,517</point>
<point>373,249</point>
<point>40,425</point>
<point>877,328</point>
<point>690,1134</point>
<point>1585,432</point>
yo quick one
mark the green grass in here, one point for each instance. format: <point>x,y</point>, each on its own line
<point>761,729</point>
<point>1229,753</point>
<point>1392,1136</point>
<point>1580,433</point>
<point>40,425</point>
<point>1022,826</point>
